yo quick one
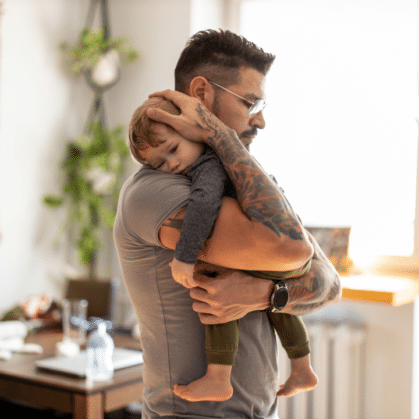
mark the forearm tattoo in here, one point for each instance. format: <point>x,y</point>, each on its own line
<point>260,199</point>
<point>320,287</point>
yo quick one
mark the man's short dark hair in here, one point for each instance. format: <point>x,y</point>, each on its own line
<point>218,56</point>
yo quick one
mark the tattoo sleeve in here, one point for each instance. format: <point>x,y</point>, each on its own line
<point>260,199</point>
<point>320,287</point>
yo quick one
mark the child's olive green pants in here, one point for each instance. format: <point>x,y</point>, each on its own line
<point>222,340</point>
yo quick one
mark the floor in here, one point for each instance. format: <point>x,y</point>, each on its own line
<point>12,410</point>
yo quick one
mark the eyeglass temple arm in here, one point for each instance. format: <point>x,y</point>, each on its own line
<point>235,94</point>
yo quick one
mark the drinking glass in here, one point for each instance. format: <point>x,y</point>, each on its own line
<point>74,314</point>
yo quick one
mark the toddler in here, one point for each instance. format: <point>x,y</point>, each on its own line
<point>162,148</point>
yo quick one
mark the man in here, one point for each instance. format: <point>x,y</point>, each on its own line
<point>219,74</point>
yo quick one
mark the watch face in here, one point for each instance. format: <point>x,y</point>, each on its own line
<point>281,298</point>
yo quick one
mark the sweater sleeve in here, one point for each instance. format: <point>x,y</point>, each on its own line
<point>208,178</point>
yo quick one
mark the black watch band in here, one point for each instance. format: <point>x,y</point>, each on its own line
<point>279,297</point>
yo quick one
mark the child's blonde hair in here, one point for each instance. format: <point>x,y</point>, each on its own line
<point>141,135</point>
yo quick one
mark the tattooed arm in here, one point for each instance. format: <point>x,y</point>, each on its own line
<point>265,219</point>
<point>225,295</point>
<point>262,203</point>
<point>320,287</point>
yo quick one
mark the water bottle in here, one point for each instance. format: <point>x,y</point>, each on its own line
<point>99,354</point>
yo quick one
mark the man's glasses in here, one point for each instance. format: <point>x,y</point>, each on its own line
<point>255,107</point>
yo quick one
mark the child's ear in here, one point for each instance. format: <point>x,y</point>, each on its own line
<point>202,89</point>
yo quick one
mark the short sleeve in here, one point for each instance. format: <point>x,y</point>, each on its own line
<point>147,199</point>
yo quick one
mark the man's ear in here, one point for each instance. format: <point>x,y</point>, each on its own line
<point>203,90</point>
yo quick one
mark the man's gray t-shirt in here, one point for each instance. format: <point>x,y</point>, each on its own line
<point>172,336</point>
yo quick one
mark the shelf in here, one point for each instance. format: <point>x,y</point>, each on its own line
<point>389,290</point>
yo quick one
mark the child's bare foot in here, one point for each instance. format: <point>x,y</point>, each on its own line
<point>214,386</point>
<point>302,378</point>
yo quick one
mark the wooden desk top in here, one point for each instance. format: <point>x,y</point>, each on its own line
<point>21,367</point>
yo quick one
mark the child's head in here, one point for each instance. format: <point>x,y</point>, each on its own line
<point>159,144</point>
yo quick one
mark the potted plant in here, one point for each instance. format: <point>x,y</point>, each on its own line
<point>94,162</point>
<point>98,57</point>
<point>93,166</point>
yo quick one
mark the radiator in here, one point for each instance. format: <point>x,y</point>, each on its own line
<point>338,359</point>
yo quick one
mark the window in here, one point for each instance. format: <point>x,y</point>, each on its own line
<point>341,135</point>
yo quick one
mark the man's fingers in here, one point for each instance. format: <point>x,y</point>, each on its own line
<point>210,319</point>
<point>204,287</point>
<point>162,93</point>
<point>159,115</point>
<point>176,97</point>
<point>199,294</point>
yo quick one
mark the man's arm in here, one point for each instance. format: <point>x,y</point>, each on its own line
<point>261,201</point>
<point>225,294</point>
<point>264,211</point>
<point>233,294</point>
<point>236,242</point>
<point>320,287</point>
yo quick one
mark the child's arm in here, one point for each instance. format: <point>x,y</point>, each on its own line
<point>208,178</point>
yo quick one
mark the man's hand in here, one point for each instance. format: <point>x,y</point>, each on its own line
<point>195,122</point>
<point>224,295</point>
<point>183,273</point>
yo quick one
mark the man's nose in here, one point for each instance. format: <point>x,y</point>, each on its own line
<point>257,120</point>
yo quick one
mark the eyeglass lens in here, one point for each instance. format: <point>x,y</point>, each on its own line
<point>258,106</point>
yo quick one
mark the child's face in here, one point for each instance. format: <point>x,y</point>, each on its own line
<point>176,154</point>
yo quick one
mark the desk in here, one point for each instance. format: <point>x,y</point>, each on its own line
<point>20,380</point>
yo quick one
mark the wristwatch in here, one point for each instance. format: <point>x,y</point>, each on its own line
<point>279,297</point>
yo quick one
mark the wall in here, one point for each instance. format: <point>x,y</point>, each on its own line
<point>42,106</point>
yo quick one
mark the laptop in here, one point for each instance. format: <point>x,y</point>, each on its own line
<point>76,365</point>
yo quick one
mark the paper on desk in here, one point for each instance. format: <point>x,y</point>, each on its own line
<point>13,329</point>
<point>7,346</point>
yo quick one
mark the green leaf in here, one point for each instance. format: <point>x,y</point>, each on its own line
<point>53,201</point>
<point>91,45</point>
<point>108,216</point>
<point>89,211</point>
<point>87,246</point>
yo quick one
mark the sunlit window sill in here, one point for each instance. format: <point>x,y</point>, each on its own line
<point>394,290</point>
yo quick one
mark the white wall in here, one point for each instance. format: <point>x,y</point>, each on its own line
<point>42,106</point>
<point>40,109</point>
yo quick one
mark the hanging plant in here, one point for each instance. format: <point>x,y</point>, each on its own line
<point>94,162</point>
<point>92,45</point>
<point>93,165</point>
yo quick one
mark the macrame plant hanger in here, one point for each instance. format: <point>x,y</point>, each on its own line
<point>97,109</point>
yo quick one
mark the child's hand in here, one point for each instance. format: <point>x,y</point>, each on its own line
<point>183,273</point>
